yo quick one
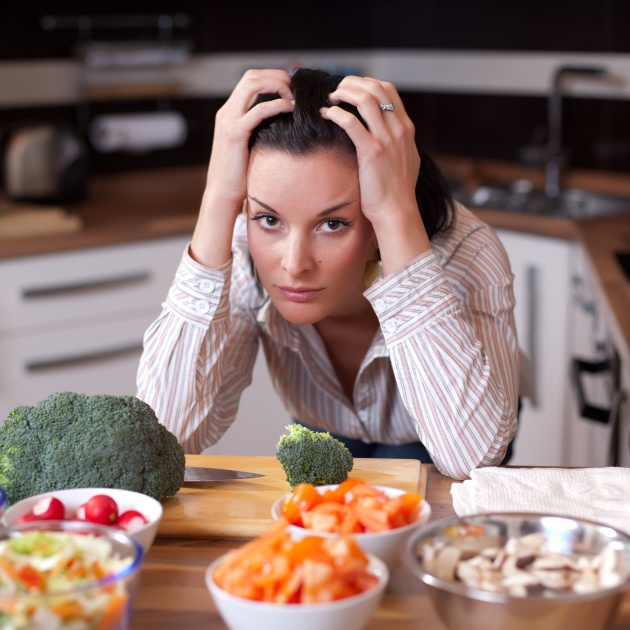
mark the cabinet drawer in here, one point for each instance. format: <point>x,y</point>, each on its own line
<point>93,360</point>
<point>89,284</point>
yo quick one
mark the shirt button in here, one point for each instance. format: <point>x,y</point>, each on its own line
<point>207,286</point>
<point>202,306</point>
<point>379,306</point>
<point>390,326</point>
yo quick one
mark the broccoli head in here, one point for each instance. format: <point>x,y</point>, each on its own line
<point>312,457</point>
<point>71,440</point>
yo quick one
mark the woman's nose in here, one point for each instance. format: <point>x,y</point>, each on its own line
<point>297,257</point>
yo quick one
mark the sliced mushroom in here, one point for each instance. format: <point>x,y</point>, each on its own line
<point>523,567</point>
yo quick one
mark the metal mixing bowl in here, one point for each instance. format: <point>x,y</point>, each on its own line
<point>464,608</point>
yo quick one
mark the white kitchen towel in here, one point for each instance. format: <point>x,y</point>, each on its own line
<point>597,494</point>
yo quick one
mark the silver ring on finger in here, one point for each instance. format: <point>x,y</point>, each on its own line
<point>387,107</point>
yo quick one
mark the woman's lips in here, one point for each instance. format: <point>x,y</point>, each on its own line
<point>298,295</point>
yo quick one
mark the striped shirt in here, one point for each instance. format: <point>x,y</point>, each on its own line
<point>442,368</point>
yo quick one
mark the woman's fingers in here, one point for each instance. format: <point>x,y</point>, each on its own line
<point>382,91</point>
<point>234,123</point>
<point>255,115</point>
<point>256,82</point>
<point>368,95</point>
<point>387,154</point>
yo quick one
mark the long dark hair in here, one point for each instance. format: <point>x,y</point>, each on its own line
<point>305,131</point>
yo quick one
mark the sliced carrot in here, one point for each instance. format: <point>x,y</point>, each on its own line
<point>9,570</point>
<point>309,547</point>
<point>288,571</point>
<point>68,610</point>
<point>114,612</point>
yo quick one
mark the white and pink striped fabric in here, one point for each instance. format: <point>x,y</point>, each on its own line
<point>442,369</point>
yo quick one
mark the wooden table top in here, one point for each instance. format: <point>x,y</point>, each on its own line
<point>173,595</point>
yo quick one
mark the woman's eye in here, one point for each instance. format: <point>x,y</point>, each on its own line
<point>334,225</point>
<point>266,221</point>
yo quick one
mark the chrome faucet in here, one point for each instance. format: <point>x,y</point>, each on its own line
<point>556,156</point>
<point>552,154</point>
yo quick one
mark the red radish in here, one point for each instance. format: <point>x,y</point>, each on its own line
<point>49,508</point>
<point>101,509</point>
<point>80,512</point>
<point>29,517</point>
<point>131,520</point>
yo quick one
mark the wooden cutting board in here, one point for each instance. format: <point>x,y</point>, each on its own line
<point>242,508</point>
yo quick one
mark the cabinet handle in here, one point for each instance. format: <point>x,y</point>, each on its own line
<point>605,415</point>
<point>532,329</point>
<point>45,365</point>
<point>609,416</point>
<point>84,287</point>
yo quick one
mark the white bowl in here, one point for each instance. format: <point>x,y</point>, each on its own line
<point>350,613</point>
<point>74,497</point>
<point>384,545</point>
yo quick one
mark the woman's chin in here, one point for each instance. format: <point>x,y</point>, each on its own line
<point>301,313</point>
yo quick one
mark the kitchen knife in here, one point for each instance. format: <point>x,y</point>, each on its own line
<point>199,474</point>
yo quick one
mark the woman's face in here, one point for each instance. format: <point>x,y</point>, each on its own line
<point>307,235</point>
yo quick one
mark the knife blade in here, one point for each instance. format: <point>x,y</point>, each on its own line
<point>200,474</point>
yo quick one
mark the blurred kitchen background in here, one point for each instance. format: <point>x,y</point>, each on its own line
<point>475,76</point>
<point>107,110</point>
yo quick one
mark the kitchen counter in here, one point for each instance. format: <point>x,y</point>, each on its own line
<point>124,208</point>
<point>144,205</point>
<point>173,594</point>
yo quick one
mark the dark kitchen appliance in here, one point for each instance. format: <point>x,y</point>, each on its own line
<point>43,162</point>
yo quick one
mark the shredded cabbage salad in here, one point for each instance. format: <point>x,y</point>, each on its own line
<point>44,578</point>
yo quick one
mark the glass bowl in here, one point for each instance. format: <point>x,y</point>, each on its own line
<point>67,575</point>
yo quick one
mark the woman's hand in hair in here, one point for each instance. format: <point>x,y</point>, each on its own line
<point>389,165</point>
<point>226,186</point>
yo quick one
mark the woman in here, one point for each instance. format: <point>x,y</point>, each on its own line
<point>310,194</point>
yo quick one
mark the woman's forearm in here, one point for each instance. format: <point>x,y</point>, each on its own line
<point>211,244</point>
<point>192,371</point>
<point>401,238</point>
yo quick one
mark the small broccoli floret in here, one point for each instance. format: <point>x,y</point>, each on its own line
<point>312,457</point>
<point>71,440</point>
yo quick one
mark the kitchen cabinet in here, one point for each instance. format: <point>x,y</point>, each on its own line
<point>624,417</point>
<point>541,268</point>
<point>75,320</point>
<point>597,435</point>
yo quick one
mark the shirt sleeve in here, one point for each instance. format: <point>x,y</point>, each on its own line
<point>453,347</point>
<point>198,355</point>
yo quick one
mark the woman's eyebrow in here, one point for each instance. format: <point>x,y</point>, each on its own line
<point>264,205</point>
<point>323,213</point>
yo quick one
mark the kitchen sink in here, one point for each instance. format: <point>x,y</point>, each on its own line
<point>520,196</point>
